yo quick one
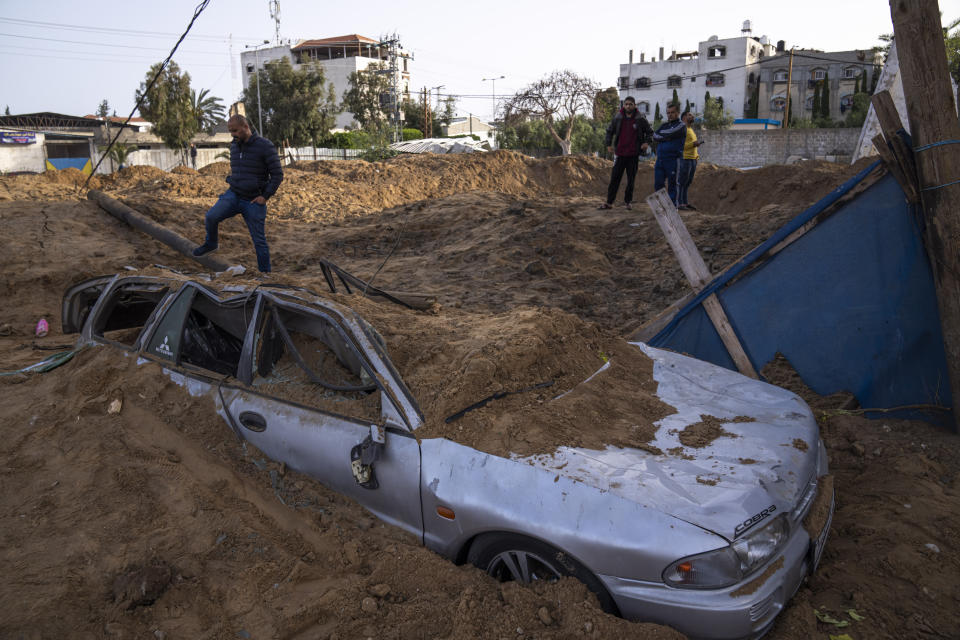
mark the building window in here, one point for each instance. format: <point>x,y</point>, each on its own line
<point>851,72</point>
<point>715,80</point>
<point>717,52</point>
<point>643,107</point>
<point>642,83</point>
<point>250,67</point>
<point>808,105</point>
<point>624,82</point>
<point>846,103</point>
<point>778,103</point>
<point>674,81</point>
<point>780,75</point>
<point>818,74</point>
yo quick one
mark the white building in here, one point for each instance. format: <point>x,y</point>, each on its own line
<point>722,67</point>
<point>339,57</point>
<point>472,126</point>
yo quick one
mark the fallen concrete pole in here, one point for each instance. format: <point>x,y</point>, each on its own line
<point>168,237</point>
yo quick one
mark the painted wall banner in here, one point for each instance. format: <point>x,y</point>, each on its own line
<point>18,137</point>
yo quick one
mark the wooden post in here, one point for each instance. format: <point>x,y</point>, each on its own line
<point>698,275</point>
<point>933,123</point>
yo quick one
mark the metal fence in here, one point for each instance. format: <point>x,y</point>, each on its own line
<point>308,154</point>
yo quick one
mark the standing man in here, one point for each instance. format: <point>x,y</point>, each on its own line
<point>255,175</point>
<point>669,137</point>
<point>688,163</point>
<point>193,155</point>
<point>627,137</point>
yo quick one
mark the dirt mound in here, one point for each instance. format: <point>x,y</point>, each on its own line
<point>255,550</point>
<point>216,169</point>
<point>183,170</point>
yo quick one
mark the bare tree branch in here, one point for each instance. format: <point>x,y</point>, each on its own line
<point>556,98</point>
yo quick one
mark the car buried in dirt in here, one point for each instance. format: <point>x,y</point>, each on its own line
<point>311,384</point>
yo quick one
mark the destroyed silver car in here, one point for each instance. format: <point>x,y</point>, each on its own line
<point>713,544</point>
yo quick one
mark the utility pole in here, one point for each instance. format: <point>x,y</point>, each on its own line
<point>256,50</point>
<point>786,108</point>
<point>935,132</point>
<point>493,85</point>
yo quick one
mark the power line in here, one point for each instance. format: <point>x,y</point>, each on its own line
<point>163,65</point>
<point>132,32</point>
<point>75,56</point>
<point>99,44</point>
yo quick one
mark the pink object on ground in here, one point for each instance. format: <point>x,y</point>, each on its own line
<point>42,328</point>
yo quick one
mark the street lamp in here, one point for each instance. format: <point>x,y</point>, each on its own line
<point>256,48</point>
<point>493,84</point>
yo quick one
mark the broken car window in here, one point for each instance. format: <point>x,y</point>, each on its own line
<point>303,358</point>
<point>127,310</point>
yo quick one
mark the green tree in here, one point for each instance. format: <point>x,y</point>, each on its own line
<point>706,96</point>
<point>103,109</point>
<point>715,116</point>
<point>167,104</point>
<point>298,106</point>
<point>6,111</point>
<point>411,134</point>
<point>606,104</point>
<point>815,113</point>
<point>824,112</point>
<point>555,99</point>
<point>753,109</point>
<point>657,116</point>
<point>525,135</point>
<point>676,99</point>
<point>207,109</point>
<point>858,110</point>
<point>366,96</point>
<point>120,153</point>
<point>951,40</point>
<point>686,106</point>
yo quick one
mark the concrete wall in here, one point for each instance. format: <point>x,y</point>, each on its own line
<point>776,146</point>
<point>22,157</point>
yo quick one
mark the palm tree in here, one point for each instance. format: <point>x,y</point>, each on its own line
<point>207,109</point>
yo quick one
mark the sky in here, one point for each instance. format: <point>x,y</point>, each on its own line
<point>66,57</point>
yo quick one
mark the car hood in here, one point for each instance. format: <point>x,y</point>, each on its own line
<point>769,461</point>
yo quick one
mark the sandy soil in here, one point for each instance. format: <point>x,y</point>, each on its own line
<point>152,521</point>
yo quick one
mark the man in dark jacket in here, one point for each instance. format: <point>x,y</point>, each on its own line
<point>627,137</point>
<point>255,175</point>
<point>669,137</point>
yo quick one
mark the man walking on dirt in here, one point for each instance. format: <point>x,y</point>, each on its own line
<point>627,137</point>
<point>669,138</point>
<point>255,175</point>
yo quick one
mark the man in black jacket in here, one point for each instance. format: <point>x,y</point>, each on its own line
<point>627,137</point>
<point>255,175</point>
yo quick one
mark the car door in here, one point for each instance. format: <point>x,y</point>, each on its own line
<point>311,398</point>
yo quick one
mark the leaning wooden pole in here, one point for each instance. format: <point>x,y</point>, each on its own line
<point>936,142</point>
<point>168,237</point>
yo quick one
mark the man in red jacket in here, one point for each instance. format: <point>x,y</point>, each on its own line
<point>627,137</point>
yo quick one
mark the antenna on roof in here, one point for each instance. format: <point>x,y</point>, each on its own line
<point>275,16</point>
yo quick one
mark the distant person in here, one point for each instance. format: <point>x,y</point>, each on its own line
<point>627,137</point>
<point>688,163</point>
<point>193,155</point>
<point>255,175</point>
<point>669,138</point>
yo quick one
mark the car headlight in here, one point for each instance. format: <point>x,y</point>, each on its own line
<point>730,564</point>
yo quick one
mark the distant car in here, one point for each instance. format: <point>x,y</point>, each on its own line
<point>310,383</point>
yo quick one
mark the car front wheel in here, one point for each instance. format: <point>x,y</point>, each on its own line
<point>507,556</point>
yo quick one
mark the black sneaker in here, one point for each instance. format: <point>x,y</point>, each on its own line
<point>203,250</point>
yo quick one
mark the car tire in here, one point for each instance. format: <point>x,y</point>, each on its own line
<point>508,556</point>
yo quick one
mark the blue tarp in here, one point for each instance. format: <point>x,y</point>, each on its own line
<point>851,304</point>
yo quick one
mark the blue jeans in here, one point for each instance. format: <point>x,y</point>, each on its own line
<point>665,174</point>
<point>229,205</point>
<point>684,179</point>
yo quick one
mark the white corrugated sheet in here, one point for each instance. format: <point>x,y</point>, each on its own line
<point>440,145</point>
